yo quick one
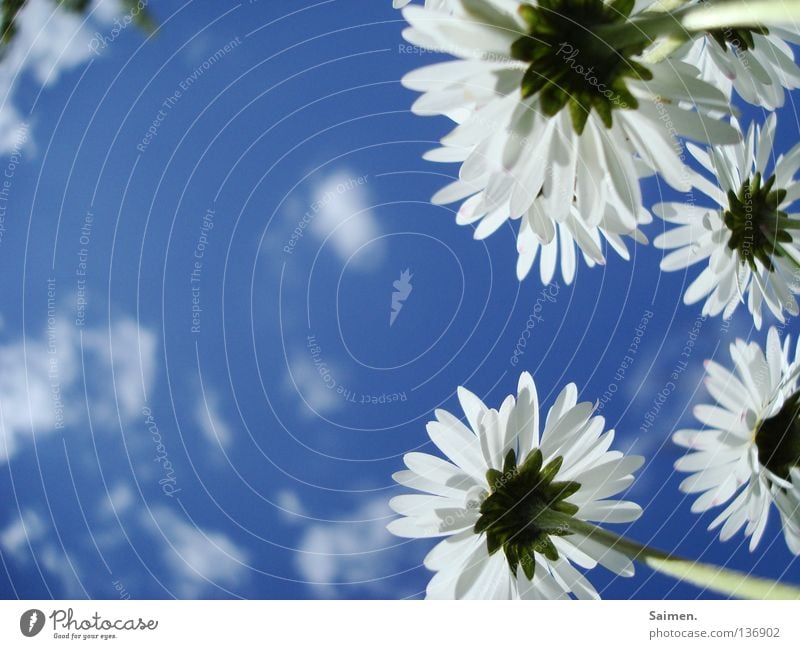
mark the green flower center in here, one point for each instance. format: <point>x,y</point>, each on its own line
<point>572,65</point>
<point>758,228</point>
<point>524,509</point>
<point>778,439</point>
<point>737,38</point>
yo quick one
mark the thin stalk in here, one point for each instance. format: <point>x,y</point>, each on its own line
<point>712,577</point>
<point>648,27</point>
<point>684,22</point>
<point>741,13</point>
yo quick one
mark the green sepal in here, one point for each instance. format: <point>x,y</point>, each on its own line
<point>494,478</point>
<point>579,115</point>
<point>623,6</point>
<point>532,463</point>
<point>550,470</point>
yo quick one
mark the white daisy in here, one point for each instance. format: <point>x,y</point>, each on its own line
<point>548,134</point>
<point>757,65</point>
<point>554,241</point>
<point>547,109</point>
<point>513,506</point>
<point>548,228</point>
<point>748,240</point>
<point>750,450</point>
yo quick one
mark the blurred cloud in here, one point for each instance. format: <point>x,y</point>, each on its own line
<point>340,212</point>
<point>291,507</point>
<point>49,41</point>
<point>29,538</point>
<point>304,377</point>
<point>16,537</point>
<point>199,561</point>
<point>120,498</point>
<point>31,382</point>
<point>41,385</point>
<point>127,351</point>
<point>352,553</point>
<point>211,422</point>
<point>191,562</point>
<point>64,567</point>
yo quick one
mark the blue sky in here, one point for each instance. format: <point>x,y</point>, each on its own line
<point>201,394</point>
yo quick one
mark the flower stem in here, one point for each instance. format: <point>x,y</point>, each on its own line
<point>712,577</point>
<point>647,27</point>
<point>790,258</point>
<point>741,13</point>
<point>684,22</point>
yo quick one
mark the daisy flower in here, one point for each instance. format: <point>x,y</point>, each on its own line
<point>561,242</point>
<point>747,240</point>
<point>757,63</point>
<point>750,449</point>
<point>549,111</point>
<point>556,236</point>
<point>514,506</point>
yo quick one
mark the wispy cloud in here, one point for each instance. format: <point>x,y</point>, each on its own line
<point>304,378</point>
<point>30,538</point>
<point>200,561</point>
<point>49,41</point>
<point>41,383</point>
<point>209,418</point>
<point>341,215</point>
<point>291,507</point>
<point>20,533</point>
<point>332,555</point>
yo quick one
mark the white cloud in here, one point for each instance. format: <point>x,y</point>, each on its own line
<point>62,565</point>
<point>305,378</point>
<point>29,537</point>
<point>340,211</point>
<point>48,42</point>
<point>199,561</point>
<point>27,529</point>
<point>194,562</point>
<point>209,419</point>
<point>349,553</point>
<point>130,350</point>
<point>291,508</point>
<point>119,500</point>
<point>13,129</point>
<point>33,375</point>
<point>41,386</point>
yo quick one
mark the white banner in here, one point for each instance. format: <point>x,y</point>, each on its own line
<point>403,624</point>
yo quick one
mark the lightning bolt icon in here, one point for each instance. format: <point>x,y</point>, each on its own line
<point>32,621</point>
<point>402,290</point>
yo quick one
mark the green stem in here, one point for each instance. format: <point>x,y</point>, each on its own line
<point>647,27</point>
<point>741,13</point>
<point>716,578</point>
<point>684,22</point>
<point>792,261</point>
<point>785,223</point>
